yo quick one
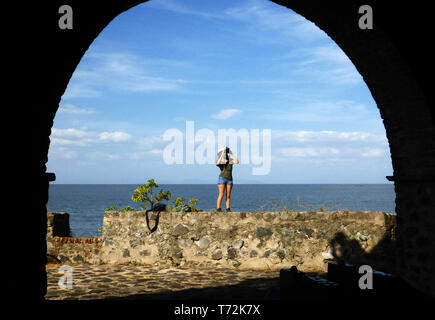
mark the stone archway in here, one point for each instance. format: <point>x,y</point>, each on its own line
<point>389,76</point>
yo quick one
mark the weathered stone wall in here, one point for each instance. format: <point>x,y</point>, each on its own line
<point>415,232</point>
<point>63,248</point>
<point>251,240</point>
<point>74,250</point>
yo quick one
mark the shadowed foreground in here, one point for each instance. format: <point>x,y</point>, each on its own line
<point>91,282</point>
<point>127,282</point>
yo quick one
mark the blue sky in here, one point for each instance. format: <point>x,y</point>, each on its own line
<point>222,64</point>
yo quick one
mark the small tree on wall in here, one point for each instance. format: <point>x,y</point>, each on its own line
<point>144,194</point>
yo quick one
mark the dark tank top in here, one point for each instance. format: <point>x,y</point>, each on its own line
<point>226,171</point>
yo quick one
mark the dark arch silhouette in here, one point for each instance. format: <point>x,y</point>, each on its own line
<point>391,60</point>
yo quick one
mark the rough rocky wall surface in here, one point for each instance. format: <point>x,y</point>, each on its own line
<point>416,232</point>
<point>251,240</point>
<point>61,248</point>
<point>74,250</point>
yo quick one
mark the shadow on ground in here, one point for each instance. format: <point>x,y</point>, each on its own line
<point>251,289</point>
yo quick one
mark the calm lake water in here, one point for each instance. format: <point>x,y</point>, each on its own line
<point>86,202</point>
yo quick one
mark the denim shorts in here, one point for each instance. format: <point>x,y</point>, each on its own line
<point>225,181</point>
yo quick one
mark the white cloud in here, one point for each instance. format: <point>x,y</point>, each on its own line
<point>144,155</point>
<point>180,8</point>
<point>156,151</point>
<point>71,137</point>
<point>323,63</point>
<point>329,153</point>
<point>375,152</point>
<point>116,136</point>
<point>80,90</point>
<point>62,153</point>
<point>329,53</point>
<point>151,141</point>
<point>323,111</point>
<point>226,114</point>
<point>270,16</point>
<point>103,156</point>
<point>264,14</point>
<point>327,136</point>
<point>72,109</point>
<point>69,133</point>
<point>118,72</point>
<point>328,146</point>
<point>308,152</point>
<point>70,142</point>
<point>82,138</point>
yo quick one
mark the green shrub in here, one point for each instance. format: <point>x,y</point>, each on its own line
<point>114,208</point>
<point>180,206</point>
<point>145,194</point>
<point>127,208</point>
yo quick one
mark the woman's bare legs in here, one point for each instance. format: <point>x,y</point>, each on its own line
<point>221,188</point>
<point>228,196</point>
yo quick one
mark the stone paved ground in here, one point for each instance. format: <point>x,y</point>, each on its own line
<point>140,282</point>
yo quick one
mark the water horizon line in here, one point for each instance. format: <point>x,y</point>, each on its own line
<point>239,183</point>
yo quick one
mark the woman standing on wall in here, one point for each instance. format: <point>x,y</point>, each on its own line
<point>225,181</point>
